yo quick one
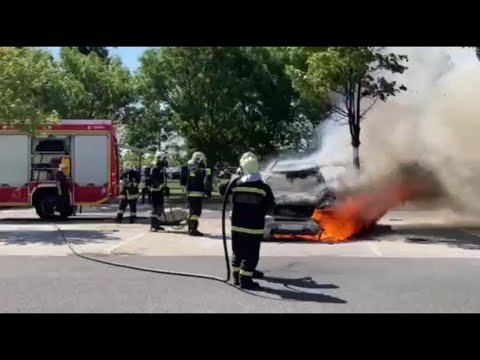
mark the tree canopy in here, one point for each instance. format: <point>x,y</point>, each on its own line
<point>92,88</point>
<point>35,88</point>
<point>26,76</point>
<point>223,101</point>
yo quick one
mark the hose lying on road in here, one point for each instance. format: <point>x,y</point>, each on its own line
<point>161,271</point>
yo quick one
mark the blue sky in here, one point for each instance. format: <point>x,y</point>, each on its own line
<point>129,55</point>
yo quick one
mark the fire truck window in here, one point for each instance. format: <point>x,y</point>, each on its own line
<point>50,146</point>
<point>59,144</point>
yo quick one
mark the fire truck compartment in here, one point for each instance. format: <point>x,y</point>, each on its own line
<point>14,165</point>
<point>90,175</point>
<point>91,160</point>
<point>14,153</point>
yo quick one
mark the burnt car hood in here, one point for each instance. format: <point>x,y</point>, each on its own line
<point>321,198</point>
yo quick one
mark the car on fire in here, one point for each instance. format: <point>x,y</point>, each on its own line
<point>299,187</point>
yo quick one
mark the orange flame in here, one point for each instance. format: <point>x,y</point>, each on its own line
<point>356,213</point>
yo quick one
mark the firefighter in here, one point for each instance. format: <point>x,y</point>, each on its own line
<point>251,200</point>
<point>63,197</point>
<point>199,185</point>
<point>158,189</point>
<point>129,193</point>
<point>147,183</point>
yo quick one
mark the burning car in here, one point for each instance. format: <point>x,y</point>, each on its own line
<point>308,209</point>
<point>343,216</point>
<point>299,188</point>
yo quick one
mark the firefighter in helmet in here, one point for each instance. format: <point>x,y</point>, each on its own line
<point>251,200</point>
<point>158,189</point>
<point>199,185</point>
<point>129,193</point>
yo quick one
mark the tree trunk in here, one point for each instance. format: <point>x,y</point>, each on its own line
<point>356,157</point>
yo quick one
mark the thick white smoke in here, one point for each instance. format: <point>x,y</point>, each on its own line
<point>435,123</point>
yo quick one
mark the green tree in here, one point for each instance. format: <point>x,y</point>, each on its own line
<point>352,74</point>
<point>34,88</point>
<point>92,88</point>
<point>130,158</point>
<point>225,101</point>
<point>147,126</point>
<point>26,76</point>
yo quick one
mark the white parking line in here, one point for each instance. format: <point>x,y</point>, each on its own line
<point>375,249</point>
<point>136,237</point>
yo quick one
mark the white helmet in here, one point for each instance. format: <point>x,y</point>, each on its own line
<point>160,156</point>
<point>249,164</point>
<point>199,156</point>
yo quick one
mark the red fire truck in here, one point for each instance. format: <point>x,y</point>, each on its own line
<point>28,164</point>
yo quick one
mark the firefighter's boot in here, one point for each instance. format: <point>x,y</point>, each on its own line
<point>132,219</point>
<point>192,228</point>
<point>236,277</point>
<point>247,283</point>
<point>154,226</point>
<point>119,218</point>
<point>257,274</point>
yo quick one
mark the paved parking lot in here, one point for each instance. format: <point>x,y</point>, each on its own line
<point>426,262</point>
<point>411,234</point>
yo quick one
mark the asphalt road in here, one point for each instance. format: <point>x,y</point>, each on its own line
<point>306,284</point>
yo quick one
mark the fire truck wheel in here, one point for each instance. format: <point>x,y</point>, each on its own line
<point>45,205</point>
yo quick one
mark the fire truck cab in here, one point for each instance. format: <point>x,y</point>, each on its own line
<point>28,164</point>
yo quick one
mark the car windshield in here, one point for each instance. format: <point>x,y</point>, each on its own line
<point>300,176</point>
<point>293,177</point>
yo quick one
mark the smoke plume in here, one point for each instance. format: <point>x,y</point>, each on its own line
<point>434,124</point>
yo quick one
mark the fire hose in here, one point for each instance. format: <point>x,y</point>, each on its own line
<point>162,271</point>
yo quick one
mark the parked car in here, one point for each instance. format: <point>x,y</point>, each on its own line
<point>174,173</point>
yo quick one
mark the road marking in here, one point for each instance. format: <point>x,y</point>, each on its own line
<point>471,233</point>
<point>375,249</point>
<point>136,237</point>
